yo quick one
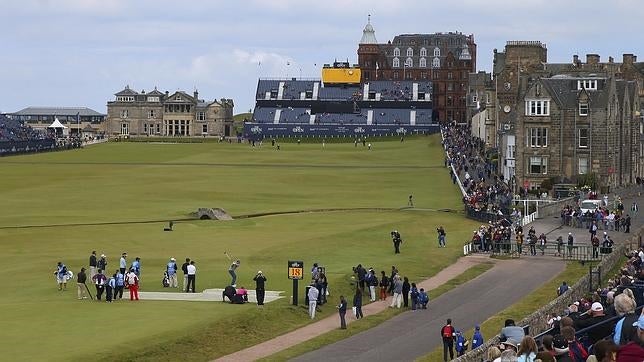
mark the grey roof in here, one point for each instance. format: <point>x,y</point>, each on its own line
<point>155,92</point>
<point>58,111</point>
<point>126,92</point>
<point>565,93</point>
<point>368,34</point>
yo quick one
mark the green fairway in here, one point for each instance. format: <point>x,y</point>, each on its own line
<point>106,187</point>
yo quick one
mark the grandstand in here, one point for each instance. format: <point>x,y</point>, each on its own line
<point>16,137</point>
<point>322,109</point>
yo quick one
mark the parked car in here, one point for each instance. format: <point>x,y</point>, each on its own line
<point>590,205</point>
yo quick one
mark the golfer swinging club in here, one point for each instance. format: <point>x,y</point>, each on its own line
<point>231,270</point>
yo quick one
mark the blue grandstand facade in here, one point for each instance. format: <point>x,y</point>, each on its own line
<point>309,108</point>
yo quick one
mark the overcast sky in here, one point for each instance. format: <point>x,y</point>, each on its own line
<point>81,52</point>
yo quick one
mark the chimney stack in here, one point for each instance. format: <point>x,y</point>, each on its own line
<point>196,94</point>
<point>592,58</point>
<point>611,60</point>
<point>629,58</point>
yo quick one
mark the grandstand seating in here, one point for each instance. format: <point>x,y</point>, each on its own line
<point>340,93</point>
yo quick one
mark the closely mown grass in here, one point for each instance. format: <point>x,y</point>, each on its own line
<point>124,182</point>
<point>373,320</point>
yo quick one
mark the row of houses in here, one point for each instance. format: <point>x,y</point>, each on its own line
<point>559,122</point>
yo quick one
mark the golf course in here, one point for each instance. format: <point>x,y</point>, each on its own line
<point>334,204</point>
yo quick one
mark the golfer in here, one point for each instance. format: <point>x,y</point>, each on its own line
<point>233,273</point>
<point>81,278</point>
<point>61,276</point>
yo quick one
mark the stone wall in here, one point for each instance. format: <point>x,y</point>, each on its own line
<point>538,320</point>
<point>554,208</point>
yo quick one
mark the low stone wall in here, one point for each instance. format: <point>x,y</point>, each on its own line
<point>538,320</point>
<point>554,208</point>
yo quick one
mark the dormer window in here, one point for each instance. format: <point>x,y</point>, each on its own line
<point>396,52</point>
<point>125,99</point>
<point>437,52</point>
<point>410,52</point>
<point>587,84</point>
<point>423,52</point>
<point>153,99</point>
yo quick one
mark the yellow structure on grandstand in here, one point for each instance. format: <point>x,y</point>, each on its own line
<point>340,73</point>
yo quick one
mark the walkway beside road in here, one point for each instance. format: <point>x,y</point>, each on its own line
<point>330,323</point>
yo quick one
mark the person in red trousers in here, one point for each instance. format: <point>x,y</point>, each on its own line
<point>133,284</point>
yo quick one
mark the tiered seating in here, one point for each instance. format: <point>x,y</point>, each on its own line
<point>423,117</point>
<point>392,90</point>
<point>294,115</point>
<point>292,89</point>
<point>341,118</point>
<point>266,85</point>
<point>337,93</point>
<point>13,130</point>
<point>264,114</point>
<point>391,116</point>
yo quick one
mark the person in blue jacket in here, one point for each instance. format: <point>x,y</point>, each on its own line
<point>461,344</point>
<point>477,338</point>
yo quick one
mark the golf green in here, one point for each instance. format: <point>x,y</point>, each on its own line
<point>118,197</point>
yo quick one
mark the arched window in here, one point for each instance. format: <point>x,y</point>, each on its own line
<point>409,63</point>
<point>436,63</point>
<point>437,52</point>
<point>410,52</point>
<point>396,52</point>
<point>396,63</point>
<point>423,52</point>
<point>422,62</point>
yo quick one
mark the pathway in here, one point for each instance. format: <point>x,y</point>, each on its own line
<point>330,323</point>
<point>208,295</point>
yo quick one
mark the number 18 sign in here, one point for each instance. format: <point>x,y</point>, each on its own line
<point>295,269</point>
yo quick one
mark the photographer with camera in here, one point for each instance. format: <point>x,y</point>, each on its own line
<point>260,290</point>
<point>397,240</point>
<point>441,236</point>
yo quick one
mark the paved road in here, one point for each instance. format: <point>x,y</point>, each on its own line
<point>413,334</point>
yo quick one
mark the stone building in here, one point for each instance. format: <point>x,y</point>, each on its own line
<point>444,58</point>
<point>561,120</point>
<point>168,115</point>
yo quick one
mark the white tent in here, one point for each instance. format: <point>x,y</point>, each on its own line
<point>59,128</point>
<point>57,124</point>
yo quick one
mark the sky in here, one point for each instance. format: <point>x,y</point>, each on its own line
<point>68,53</point>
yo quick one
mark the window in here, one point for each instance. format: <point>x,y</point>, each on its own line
<point>437,52</point>
<point>125,128</point>
<point>396,63</point>
<point>410,52</point>
<point>537,108</point>
<point>450,75</point>
<point>201,116</point>
<point>423,52</point>
<point>423,75</point>
<point>583,109</point>
<point>178,97</point>
<point>396,52</point>
<point>538,165</point>
<point>584,139</point>
<point>204,128</point>
<point>587,84</point>
<point>409,63</point>
<point>436,63</point>
<point>422,62</point>
<point>435,74</point>
<point>511,150</point>
<point>408,75</point>
<point>450,86</point>
<point>124,113</point>
<point>395,74</point>
<point>583,165</point>
<point>153,99</point>
<point>151,113</point>
<point>450,101</point>
<point>537,137</point>
<point>158,128</point>
<point>475,98</point>
<point>125,99</point>
<point>145,128</point>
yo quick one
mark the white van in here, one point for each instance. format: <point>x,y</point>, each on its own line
<point>590,205</point>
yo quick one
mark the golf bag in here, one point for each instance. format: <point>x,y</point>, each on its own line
<point>166,279</point>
